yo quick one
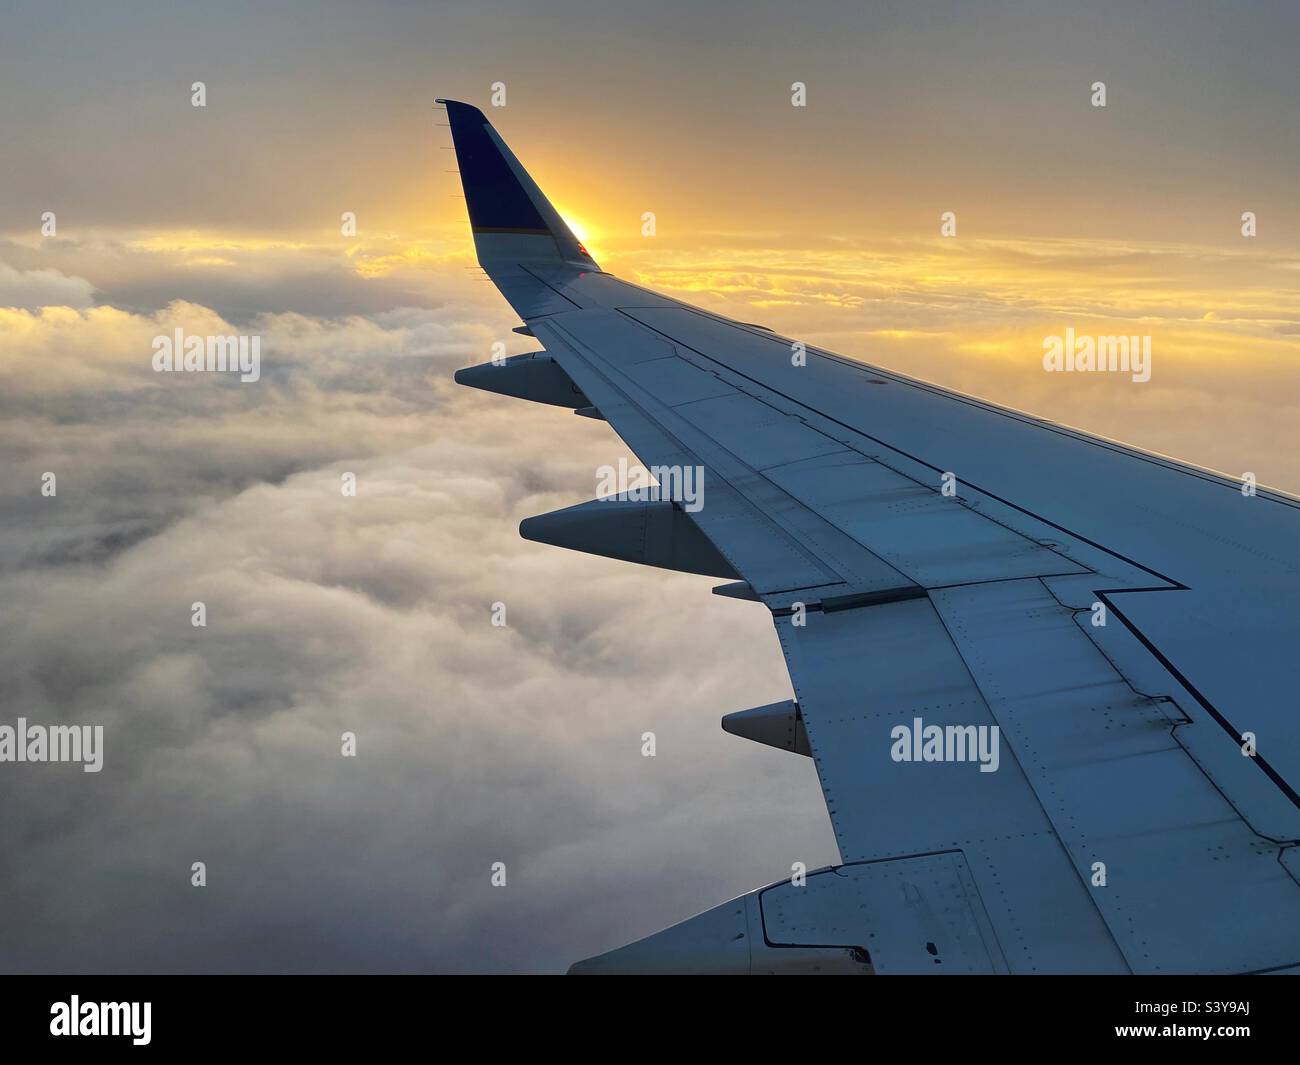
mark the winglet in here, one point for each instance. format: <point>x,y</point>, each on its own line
<point>511,218</point>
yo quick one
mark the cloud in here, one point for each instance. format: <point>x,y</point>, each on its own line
<point>32,289</point>
<point>371,614</point>
<point>240,276</point>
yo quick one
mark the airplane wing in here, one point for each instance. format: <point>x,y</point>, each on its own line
<point>1047,680</point>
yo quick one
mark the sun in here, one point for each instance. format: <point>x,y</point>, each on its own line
<point>579,229</point>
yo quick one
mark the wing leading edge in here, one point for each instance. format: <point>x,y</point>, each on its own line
<point>1122,829</point>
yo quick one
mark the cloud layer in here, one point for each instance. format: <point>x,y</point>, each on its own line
<point>328,614</point>
<point>371,614</point>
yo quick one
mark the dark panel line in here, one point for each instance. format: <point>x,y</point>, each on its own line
<point>1195,693</point>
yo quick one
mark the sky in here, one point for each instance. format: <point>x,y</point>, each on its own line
<point>522,744</point>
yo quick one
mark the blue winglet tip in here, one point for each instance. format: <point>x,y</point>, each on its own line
<point>496,199</point>
<point>461,109</point>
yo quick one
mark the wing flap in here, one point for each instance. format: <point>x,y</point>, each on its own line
<point>858,676</point>
<point>942,926</point>
<point>1085,763</point>
<point>1132,808</point>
